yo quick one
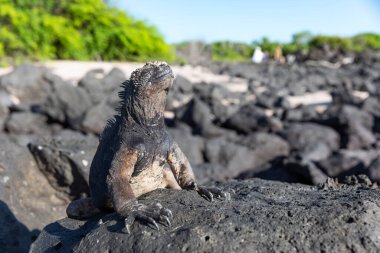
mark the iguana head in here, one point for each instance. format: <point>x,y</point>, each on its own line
<point>152,78</point>
<point>144,95</point>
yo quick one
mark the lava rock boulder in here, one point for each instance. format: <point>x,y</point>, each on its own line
<point>262,216</point>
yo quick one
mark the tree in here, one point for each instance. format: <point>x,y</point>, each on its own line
<point>76,29</point>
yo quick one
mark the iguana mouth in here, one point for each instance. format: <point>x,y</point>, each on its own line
<point>163,75</point>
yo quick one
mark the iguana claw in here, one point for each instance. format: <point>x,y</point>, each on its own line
<point>209,192</point>
<point>149,215</point>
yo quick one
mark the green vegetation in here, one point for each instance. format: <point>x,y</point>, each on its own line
<point>366,40</point>
<point>358,43</point>
<point>231,51</point>
<point>343,45</point>
<point>76,29</point>
<point>301,44</point>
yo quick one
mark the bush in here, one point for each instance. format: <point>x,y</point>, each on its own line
<point>76,29</point>
<point>299,44</point>
<point>231,51</point>
<point>343,45</point>
<point>302,43</point>
<point>366,41</point>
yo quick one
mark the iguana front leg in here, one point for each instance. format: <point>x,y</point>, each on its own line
<point>123,198</point>
<point>184,175</point>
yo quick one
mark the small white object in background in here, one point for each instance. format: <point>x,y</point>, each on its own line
<point>258,55</point>
<point>290,58</point>
<point>347,60</point>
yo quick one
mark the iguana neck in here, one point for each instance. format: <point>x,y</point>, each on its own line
<point>147,112</point>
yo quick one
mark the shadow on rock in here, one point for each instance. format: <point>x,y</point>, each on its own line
<point>14,236</point>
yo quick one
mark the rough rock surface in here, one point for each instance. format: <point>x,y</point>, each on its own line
<point>35,102</point>
<point>312,141</point>
<point>248,119</point>
<point>349,162</point>
<point>96,118</point>
<point>192,146</point>
<point>4,112</point>
<point>374,169</point>
<point>263,216</point>
<point>27,123</point>
<point>225,130</point>
<point>354,125</point>
<point>305,169</point>
<point>65,161</point>
<point>28,202</point>
<point>27,83</point>
<point>67,104</point>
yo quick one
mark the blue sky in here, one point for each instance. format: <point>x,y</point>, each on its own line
<point>248,20</point>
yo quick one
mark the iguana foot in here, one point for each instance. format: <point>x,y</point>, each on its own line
<point>149,215</point>
<point>209,192</point>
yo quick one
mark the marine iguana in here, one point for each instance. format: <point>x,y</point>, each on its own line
<point>134,151</point>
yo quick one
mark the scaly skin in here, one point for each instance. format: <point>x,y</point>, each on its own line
<point>133,151</point>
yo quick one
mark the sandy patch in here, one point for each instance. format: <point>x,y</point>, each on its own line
<point>73,71</point>
<point>315,98</point>
<point>4,71</point>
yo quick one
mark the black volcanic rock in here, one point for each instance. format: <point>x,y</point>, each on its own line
<point>65,161</point>
<point>4,112</point>
<point>27,83</point>
<point>225,134</point>
<point>196,114</point>
<point>182,85</point>
<point>96,118</point>
<point>348,162</point>
<point>67,104</point>
<point>374,170</point>
<point>93,85</point>
<point>234,158</point>
<point>311,141</point>
<point>180,93</point>
<point>27,201</point>
<point>249,118</point>
<point>266,147</point>
<point>372,106</point>
<point>300,114</point>
<point>193,146</point>
<point>98,85</point>
<point>355,126</point>
<point>27,123</point>
<point>305,169</point>
<point>262,216</point>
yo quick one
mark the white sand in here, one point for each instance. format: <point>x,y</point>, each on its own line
<point>4,71</point>
<point>73,71</point>
<point>317,98</point>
